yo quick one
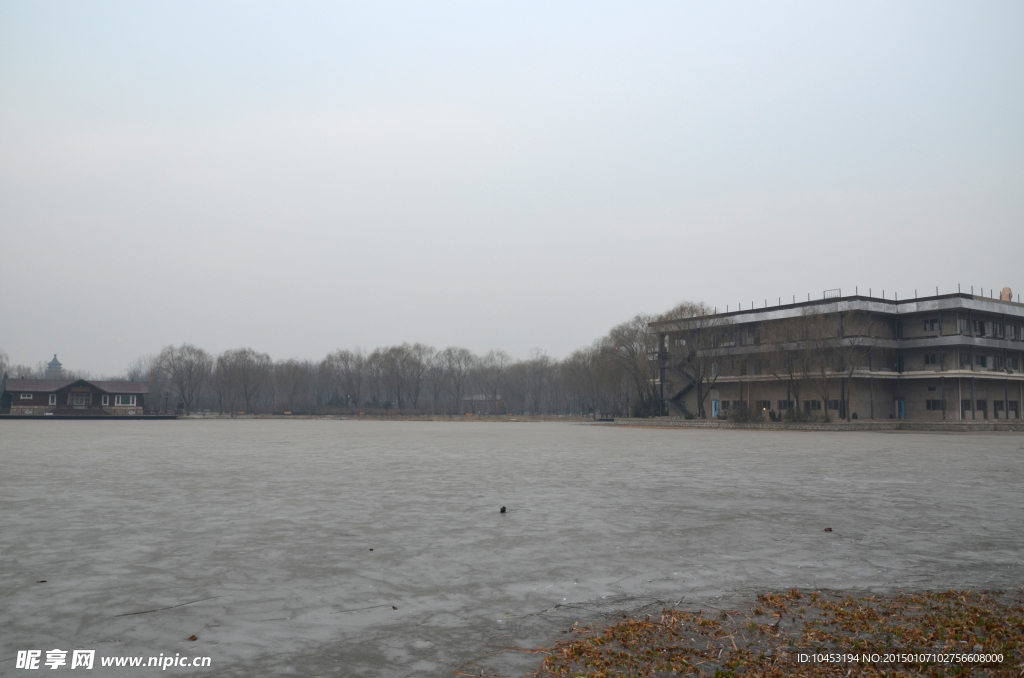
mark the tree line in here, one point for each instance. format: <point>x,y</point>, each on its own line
<point>634,370</point>
<point>613,375</point>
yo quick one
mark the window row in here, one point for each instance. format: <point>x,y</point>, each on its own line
<point>981,328</point>
<point>997,406</point>
<point>992,362</point>
<point>85,399</point>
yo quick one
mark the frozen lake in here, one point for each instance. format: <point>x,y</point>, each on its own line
<point>295,539</point>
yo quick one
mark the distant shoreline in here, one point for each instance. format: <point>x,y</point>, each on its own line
<point>395,417</point>
<point>879,425</point>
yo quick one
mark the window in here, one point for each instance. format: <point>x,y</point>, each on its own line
<point>997,405</point>
<point>965,360</point>
<point>1011,363</point>
<point>80,399</point>
<point>979,360</point>
<point>106,400</point>
<point>931,359</point>
<point>833,405</point>
<point>124,400</point>
<point>785,404</point>
<point>997,362</point>
<point>1015,408</point>
<point>931,325</point>
<point>725,404</point>
<point>764,404</point>
<point>53,399</point>
<point>714,369</point>
<point>961,325</point>
<point>1011,331</point>
<point>965,405</point>
<point>982,406</point>
<point>935,404</point>
<point>739,404</point>
<point>26,396</point>
<point>812,405</point>
<point>979,327</point>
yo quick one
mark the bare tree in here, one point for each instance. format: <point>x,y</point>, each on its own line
<point>245,373</point>
<point>415,371</point>
<point>857,337</point>
<point>493,372</point>
<point>819,354</point>
<point>346,369</point>
<point>457,362</point>
<point>541,371</point>
<point>695,358</point>
<point>141,368</point>
<point>373,379</point>
<point>831,347</point>
<point>294,384</point>
<point>633,344</point>
<point>435,378</point>
<point>227,392</point>
<point>187,368</point>
<point>783,356</point>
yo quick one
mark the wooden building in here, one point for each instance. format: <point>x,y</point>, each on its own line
<point>73,397</point>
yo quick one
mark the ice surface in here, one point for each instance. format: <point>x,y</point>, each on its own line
<point>258,534</point>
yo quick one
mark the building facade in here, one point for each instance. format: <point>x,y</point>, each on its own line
<point>78,397</point>
<point>951,357</point>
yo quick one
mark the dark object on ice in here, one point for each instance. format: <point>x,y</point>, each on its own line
<point>371,549</point>
<point>828,529</point>
<point>41,581</point>
<point>502,509</point>
<point>192,638</point>
<point>393,607</point>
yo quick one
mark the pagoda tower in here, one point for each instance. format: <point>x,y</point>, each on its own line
<point>54,370</point>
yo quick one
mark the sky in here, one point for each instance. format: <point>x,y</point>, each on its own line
<point>300,177</point>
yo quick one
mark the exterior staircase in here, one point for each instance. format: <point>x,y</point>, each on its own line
<point>675,401</point>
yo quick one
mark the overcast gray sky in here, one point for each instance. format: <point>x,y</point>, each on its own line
<point>301,176</point>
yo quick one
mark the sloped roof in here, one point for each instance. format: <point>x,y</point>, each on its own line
<point>121,386</point>
<point>37,385</point>
<point>51,385</point>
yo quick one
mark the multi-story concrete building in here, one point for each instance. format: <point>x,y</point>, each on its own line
<point>948,357</point>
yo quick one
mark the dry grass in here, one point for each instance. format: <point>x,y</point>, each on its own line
<point>766,639</point>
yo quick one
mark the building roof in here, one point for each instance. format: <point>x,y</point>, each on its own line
<point>892,307</point>
<point>37,385</point>
<point>122,386</point>
<point>51,385</point>
<point>54,364</point>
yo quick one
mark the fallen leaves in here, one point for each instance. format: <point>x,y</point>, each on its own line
<point>689,643</point>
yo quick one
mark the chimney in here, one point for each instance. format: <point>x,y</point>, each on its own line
<point>1006,294</point>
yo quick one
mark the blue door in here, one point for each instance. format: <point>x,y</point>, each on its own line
<point>903,408</point>
<point>714,409</point>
